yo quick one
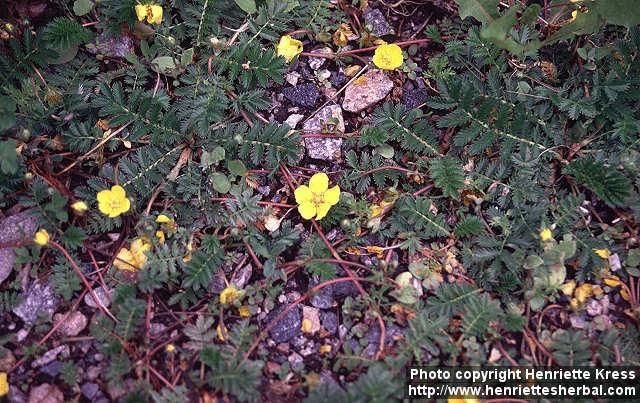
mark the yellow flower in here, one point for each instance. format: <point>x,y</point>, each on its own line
<point>388,56</point>
<point>168,223</point>
<point>603,253</point>
<point>244,311</point>
<point>41,238</point>
<point>582,293</point>
<point>152,11</point>
<point>4,385</point>
<point>133,259</point>
<point>230,294</point>
<point>574,14</point>
<point>222,332</point>
<point>568,287</point>
<point>80,207</point>
<point>316,199</point>
<point>461,400</point>
<point>170,348</point>
<point>546,235</point>
<point>160,236</point>
<point>289,48</point>
<point>113,202</point>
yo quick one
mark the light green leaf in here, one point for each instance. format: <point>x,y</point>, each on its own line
<point>248,6</point>
<point>187,57</point>
<point>385,150</point>
<point>82,7</point>
<point>237,167</point>
<point>220,182</point>
<point>484,11</point>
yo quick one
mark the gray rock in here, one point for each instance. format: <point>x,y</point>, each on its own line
<point>323,299</point>
<point>295,359</point>
<point>329,321</point>
<point>366,91</point>
<point>241,277</point>
<point>392,333</point>
<point>317,62</point>
<point>7,359</point>
<point>292,77</point>
<point>326,296</point>
<point>328,120</point>
<point>293,120</point>
<point>45,393</point>
<point>302,95</point>
<point>414,97</point>
<point>51,355</point>
<point>337,79</point>
<point>93,372</point>
<point>287,327</point>
<point>112,46</point>
<point>38,300</point>
<point>16,229</point>
<point>375,21</point>
<point>217,283</point>
<point>89,390</point>
<point>52,369</point>
<point>73,324</point>
<point>103,296</point>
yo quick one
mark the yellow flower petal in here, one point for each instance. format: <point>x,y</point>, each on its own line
<point>118,192</point>
<point>568,287</point>
<point>624,294</point>
<point>322,210</point>
<point>125,261</point>
<point>303,194</point>
<point>155,16</point>
<point>170,348</point>
<point>603,253</point>
<point>289,47</point>
<point>222,332</point>
<point>612,281</point>
<point>41,237</point>
<point>141,11</point>
<point>162,219</point>
<point>583,292</point>
<point>307,210</point>
<point>332,196</point>
<point>80,207</point>
<point>103,196</point>
<point>319,183</point>
<point>461,400</point>
<point>306,326</point>
<point>4,385</point>
<point>388,57</point>
<point>244,311</point>
<point>229,294</point>
<point>546,234</point>
<point>160,236</point>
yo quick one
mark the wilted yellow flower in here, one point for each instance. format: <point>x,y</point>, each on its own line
<point>113,202</point>
<point>306,325</point>
<point>581,294</point>
<point>244,311</point>
<point>80,207</point>
<point>133,259</point>
<point>325,348</point>
<point>4,385</point>
<point>612,281</point>
<point>316,199</point>
<point>162,219</point>
<point>170,348</point>
<point>603,253</point>
<point>568,287</point>
<point>546,234</point>
<point>388,56</point>
<point>42,237</point>
<point>151,11</point>
<point>230,294</point>
<point>160,236</point>
<point>289,48</point>
<point>222,332</point>
<point>167,222</point>
<point>342,34</point>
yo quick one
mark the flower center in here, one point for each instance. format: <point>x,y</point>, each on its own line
<point>114,204</point>
<point>318,199</point>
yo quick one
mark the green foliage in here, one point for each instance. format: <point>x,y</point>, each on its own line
<point>64,33</point>
<point>203,264</point>
<point>447,175</point>
<point>609,184</point>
